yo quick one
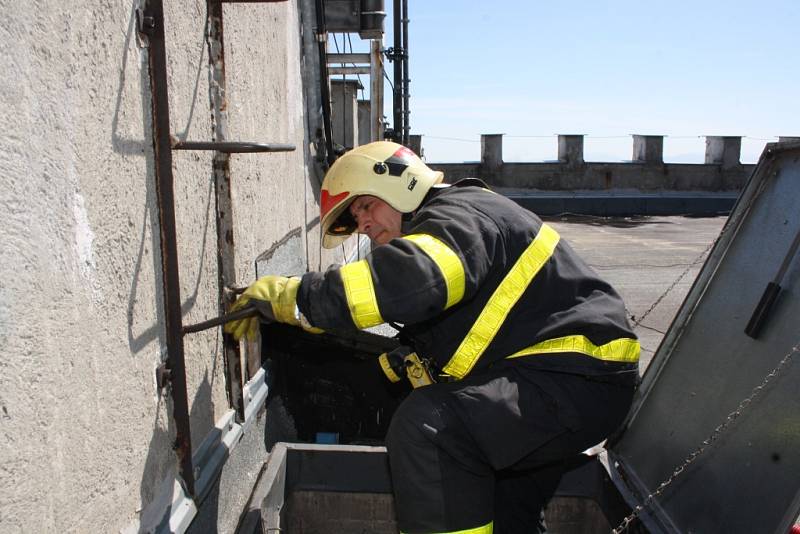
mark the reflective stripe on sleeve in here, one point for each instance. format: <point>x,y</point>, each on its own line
<point>360,293</point>
<point>502,300</point>
<point>624,350</point>
<point>448,262</point>
<point>488,528</point>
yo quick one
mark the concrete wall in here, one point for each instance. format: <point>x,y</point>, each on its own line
<point>86,434</point>
<point>598,176</point>
<point>646,171</point>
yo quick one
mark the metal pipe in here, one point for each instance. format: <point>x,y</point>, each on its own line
<point>322,46</point>
<point>247,311</point>
<point>406,110</point>
<point>397,101</point>
<point>232,147</point>
<point>153,26</point>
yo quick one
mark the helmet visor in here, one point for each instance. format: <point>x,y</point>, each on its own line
<point>344,224</point>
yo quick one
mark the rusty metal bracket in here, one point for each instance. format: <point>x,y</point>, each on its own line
<point>163,375</point>
<point>145,23</point>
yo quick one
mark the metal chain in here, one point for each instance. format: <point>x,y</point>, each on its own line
<point>708,441</point>
<point>698,259</point>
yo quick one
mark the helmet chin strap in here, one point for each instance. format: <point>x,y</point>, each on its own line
<point>405,222</point>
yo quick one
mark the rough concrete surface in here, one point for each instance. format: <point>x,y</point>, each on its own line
<point>651,261</point>
<point>225,502</point>
<point>86,437</point>
<point>80,292</point>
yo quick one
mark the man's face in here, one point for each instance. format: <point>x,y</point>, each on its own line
<point>375,218</point>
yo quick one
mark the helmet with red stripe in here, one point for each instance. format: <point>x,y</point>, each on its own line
<point>382,169</point>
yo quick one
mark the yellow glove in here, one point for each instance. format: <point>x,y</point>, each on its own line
<point>281,294</point>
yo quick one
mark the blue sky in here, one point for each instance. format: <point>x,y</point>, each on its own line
<point>606,69</point>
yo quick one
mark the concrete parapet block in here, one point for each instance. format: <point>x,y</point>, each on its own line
<point>648,148</point>
<point>415,144</point>
<point>491,151</point>
<point>364,109</point>
<point>723,150</point>
<point>570,148</point>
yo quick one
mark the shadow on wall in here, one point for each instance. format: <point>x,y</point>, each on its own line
<point>138,341</point>
<point>143,147</point>
<point>121,145</point>
<point>202,416</point>
<point>160,468</point>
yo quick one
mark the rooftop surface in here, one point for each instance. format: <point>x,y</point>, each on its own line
<point>651,261</point>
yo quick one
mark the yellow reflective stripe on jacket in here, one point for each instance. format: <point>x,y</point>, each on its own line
<point>620,350</point>
<point>485,529</point>
<point>502,300</point>
<point>360,293</point>
<point>448,262</point>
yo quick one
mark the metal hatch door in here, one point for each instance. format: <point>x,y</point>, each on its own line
<point>747,477</point>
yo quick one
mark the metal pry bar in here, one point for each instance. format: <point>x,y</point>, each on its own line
<point>247,311</point>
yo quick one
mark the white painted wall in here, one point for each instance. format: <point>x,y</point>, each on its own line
<point>85,437</point>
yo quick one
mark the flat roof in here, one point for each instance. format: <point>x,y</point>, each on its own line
<point>651,261</point>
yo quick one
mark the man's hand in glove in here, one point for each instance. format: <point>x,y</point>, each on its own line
<point>274,297</point>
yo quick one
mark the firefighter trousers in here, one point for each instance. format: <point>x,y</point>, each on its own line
<point>485,452</point>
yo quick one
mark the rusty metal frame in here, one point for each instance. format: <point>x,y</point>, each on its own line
<point>151,24</point>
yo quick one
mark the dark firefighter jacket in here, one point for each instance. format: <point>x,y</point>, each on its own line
<point>476,279</point>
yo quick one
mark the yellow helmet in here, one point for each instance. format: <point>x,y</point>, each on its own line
<point>382,169</point>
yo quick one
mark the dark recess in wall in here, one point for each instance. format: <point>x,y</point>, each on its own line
<point>328,383</point>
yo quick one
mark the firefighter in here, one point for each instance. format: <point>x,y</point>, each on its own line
<point>538,359</point>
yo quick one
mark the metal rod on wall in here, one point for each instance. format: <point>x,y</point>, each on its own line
<point>229,147</point>
<point>152,25</point>
<point>406,110</point>
<point>397,100</point>
<point>322,45</point>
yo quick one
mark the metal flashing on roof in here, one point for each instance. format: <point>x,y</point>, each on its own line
<point>712,441</point>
